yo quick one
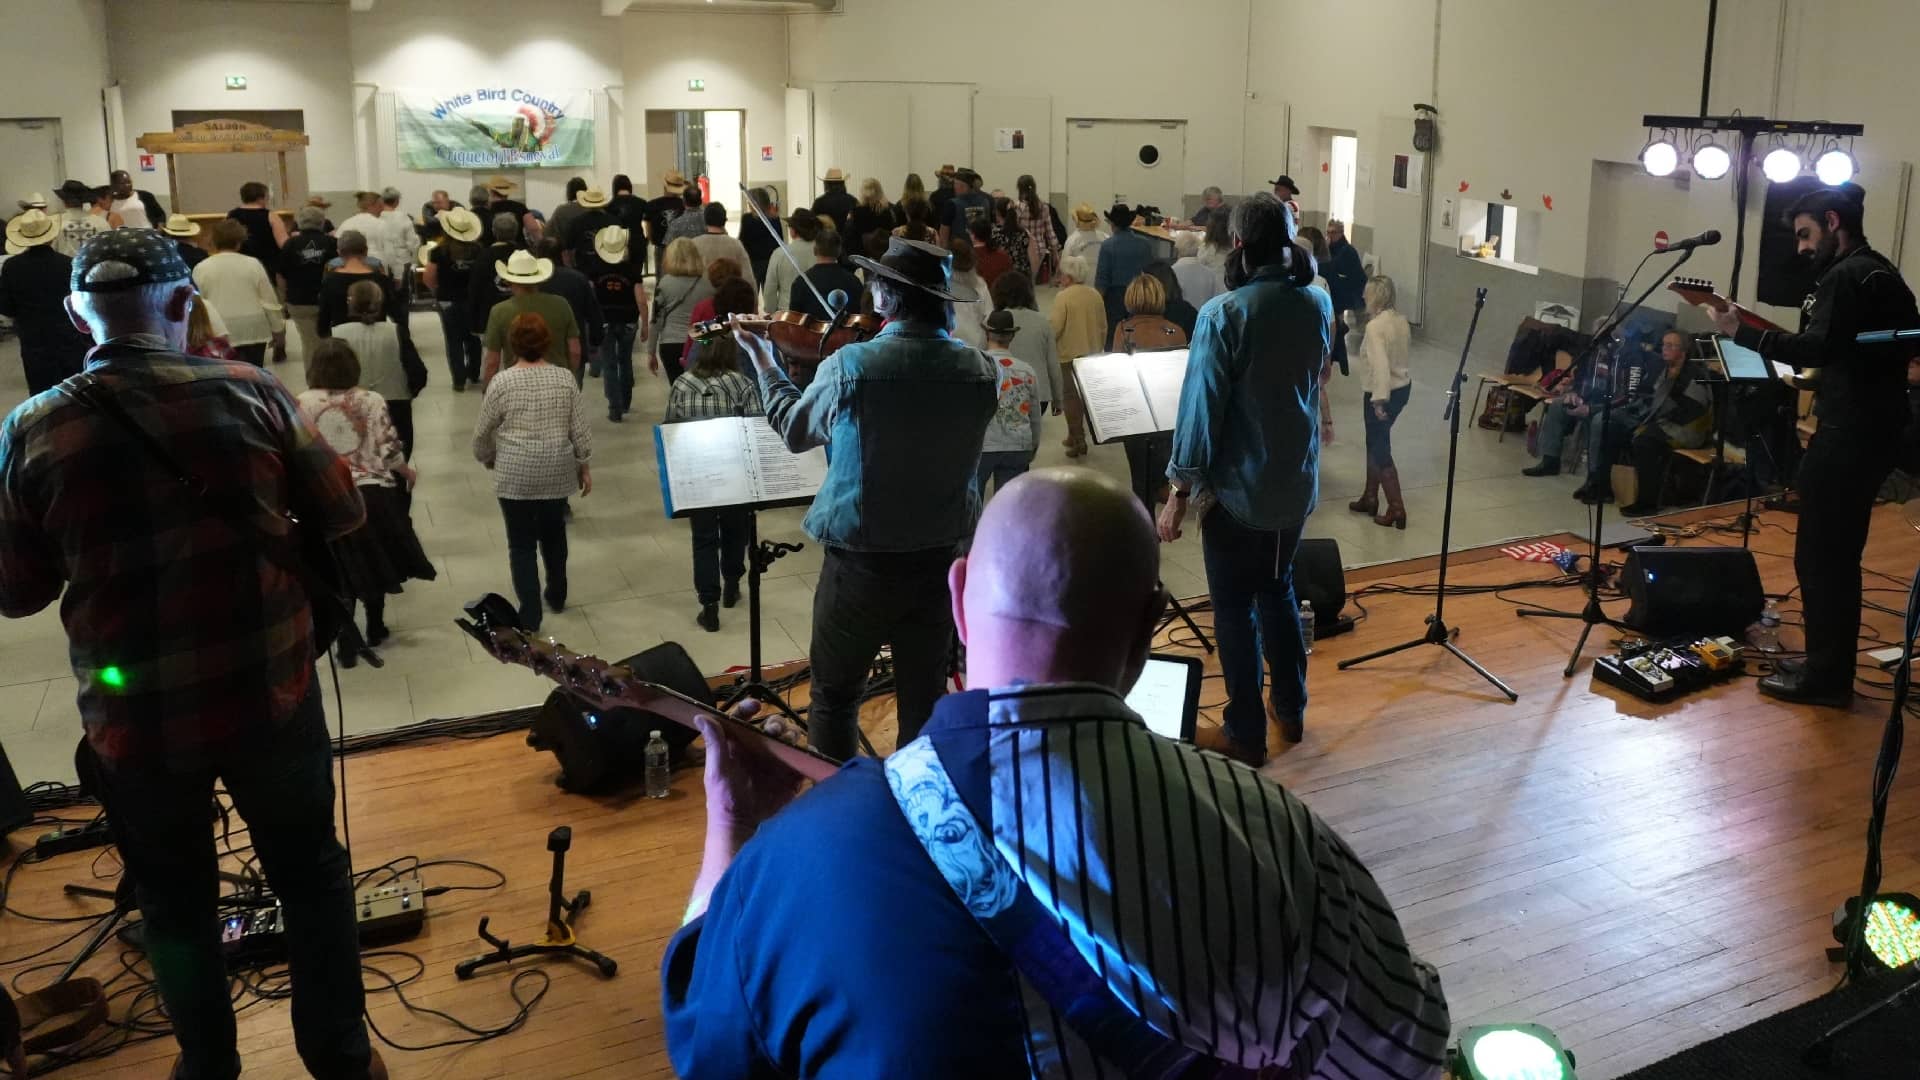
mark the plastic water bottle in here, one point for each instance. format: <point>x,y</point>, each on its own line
<point>1306,625</point>
<point>1765,634</point>
<point>659,782</point>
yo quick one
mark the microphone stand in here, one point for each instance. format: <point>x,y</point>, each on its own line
<point>1438,633</point>
<point>1592,614</point>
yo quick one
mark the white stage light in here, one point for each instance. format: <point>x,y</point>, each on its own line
<point>1711,161</point>
<point>1834,168</point>
<point>1660,158</point>
<point>1781,165</point>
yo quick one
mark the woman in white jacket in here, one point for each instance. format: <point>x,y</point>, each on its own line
<point>237,287</point>
<point>1384,376</point>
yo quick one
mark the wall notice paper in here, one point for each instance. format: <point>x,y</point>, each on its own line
<point>1131,394</point>
<point>733,461</point>
<point>1408,170</point>
<point>494,127</point>
<point>1007,139</point>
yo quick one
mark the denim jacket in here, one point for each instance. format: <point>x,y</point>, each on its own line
<point>1249,423</point>
<point>902,417</point>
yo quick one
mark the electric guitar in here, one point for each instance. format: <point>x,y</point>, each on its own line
<point>1701,291</point>
<point>492,621</point>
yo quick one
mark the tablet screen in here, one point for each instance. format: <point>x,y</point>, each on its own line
<point>1742,364</point>
<point>1167,696</point>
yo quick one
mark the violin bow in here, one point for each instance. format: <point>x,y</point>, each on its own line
<point>747,196</point>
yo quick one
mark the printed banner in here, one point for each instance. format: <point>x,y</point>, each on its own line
<point>492,127</point>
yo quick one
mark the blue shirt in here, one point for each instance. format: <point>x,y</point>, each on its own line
<point>1249,422</point>
<point>903,416</point>
<point>1123,257</point>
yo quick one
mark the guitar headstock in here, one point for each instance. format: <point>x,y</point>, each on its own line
<point>493,622</point>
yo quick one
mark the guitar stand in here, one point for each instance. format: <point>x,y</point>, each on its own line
<point>761,555</point>
<point>561,913</point>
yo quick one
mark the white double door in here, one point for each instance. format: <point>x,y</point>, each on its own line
<point>1138,162</point>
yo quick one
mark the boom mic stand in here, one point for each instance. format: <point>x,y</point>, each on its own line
<point>1438,633</point>
<point>1592,614</point>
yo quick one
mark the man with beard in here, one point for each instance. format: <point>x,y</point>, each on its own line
<point>1860,402</point>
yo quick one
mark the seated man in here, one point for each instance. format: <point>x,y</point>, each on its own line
<point>835,942</point>
<point>1678,414</point>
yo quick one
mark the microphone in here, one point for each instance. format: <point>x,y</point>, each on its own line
<point>1705,239</point>
<point>837,299</point>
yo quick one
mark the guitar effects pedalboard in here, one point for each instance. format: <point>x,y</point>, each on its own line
<point>1664,670</point>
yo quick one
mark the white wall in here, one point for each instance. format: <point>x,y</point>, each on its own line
<point>742,57</point>
<point>54,54</point>
<point>1118,59</point>
<point>176,54</point>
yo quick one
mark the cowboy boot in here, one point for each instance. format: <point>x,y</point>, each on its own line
<point>1369,502</point>
<point>1396,513</point>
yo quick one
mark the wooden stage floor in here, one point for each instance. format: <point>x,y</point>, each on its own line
<point>1639,878</point>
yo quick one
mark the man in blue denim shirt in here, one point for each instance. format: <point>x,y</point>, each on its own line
<point>902,416</point>
<point>1247,441</point>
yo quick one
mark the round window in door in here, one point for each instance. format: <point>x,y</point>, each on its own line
<point>1149,155</point>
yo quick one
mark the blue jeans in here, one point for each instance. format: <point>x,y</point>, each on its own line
<point>616,366</point>
<point>999,466</point>
<point>719,550</point>
<point>463,343</point>
<point>1255,617</point>
<point>281,780</point>
<point>536,526</point>
<point>1380,432</point>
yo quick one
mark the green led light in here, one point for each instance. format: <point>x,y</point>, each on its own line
<point>1516,1055</point>
<point>112,677</point>
<point>1893,933</point>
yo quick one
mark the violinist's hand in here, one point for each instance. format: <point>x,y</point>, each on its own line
<point>758,349</point>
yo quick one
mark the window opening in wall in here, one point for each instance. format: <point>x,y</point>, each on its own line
<point>1500,234</point>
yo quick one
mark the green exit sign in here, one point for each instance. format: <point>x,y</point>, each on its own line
<point>236,82</point>
<point>696,84</point>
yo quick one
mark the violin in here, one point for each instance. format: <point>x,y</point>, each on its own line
<point>798,336</point>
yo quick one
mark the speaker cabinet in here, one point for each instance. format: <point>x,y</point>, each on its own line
<point>1692,590</point>
<point>1318,578</point>
<point>602,749</point>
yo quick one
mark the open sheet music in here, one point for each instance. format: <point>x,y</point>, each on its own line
<point>733,461</point>
<point>1131,394</point>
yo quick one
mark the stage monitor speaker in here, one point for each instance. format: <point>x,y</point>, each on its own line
<point>1692,590</point>
<point>1318,578</point>
<point>600,749</point>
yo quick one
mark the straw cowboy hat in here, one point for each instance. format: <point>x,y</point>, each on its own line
<point>610,244</point>
<point>180,225</point>
<point>927,267</point>
<point>675,181</point>
<point>501,185</point>
<point>523,269</point>
<point>835,176</point>
<point>592,198</point>
<point>30,229</point>
<point>35,201</point>
<point>1085,216</point>
<point>460,224</point>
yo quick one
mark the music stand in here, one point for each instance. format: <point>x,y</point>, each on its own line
<point>1438,633</point>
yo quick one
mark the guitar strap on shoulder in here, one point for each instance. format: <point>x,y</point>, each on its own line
<point>941,785</point>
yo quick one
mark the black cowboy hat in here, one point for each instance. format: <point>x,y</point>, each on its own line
<point>926,267</point>
<point>1121,215</point>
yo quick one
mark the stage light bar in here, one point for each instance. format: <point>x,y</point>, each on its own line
<point>1781,165</point>
<point>1510,1052</point>
<point>1835,167</point>
<point>1660,158</point>
<point>1711,161</point>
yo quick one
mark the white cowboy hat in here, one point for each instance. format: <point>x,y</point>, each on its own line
<point>592,198</point>
<point>610,244</point>
<point>460,224</point>
<point>180,225</point>
<point>835,176</point>
<point>35,201</point>
<point>521,268</point>
<point>30,229</point>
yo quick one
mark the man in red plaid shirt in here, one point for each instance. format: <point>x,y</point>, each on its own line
<point>193,650</point>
